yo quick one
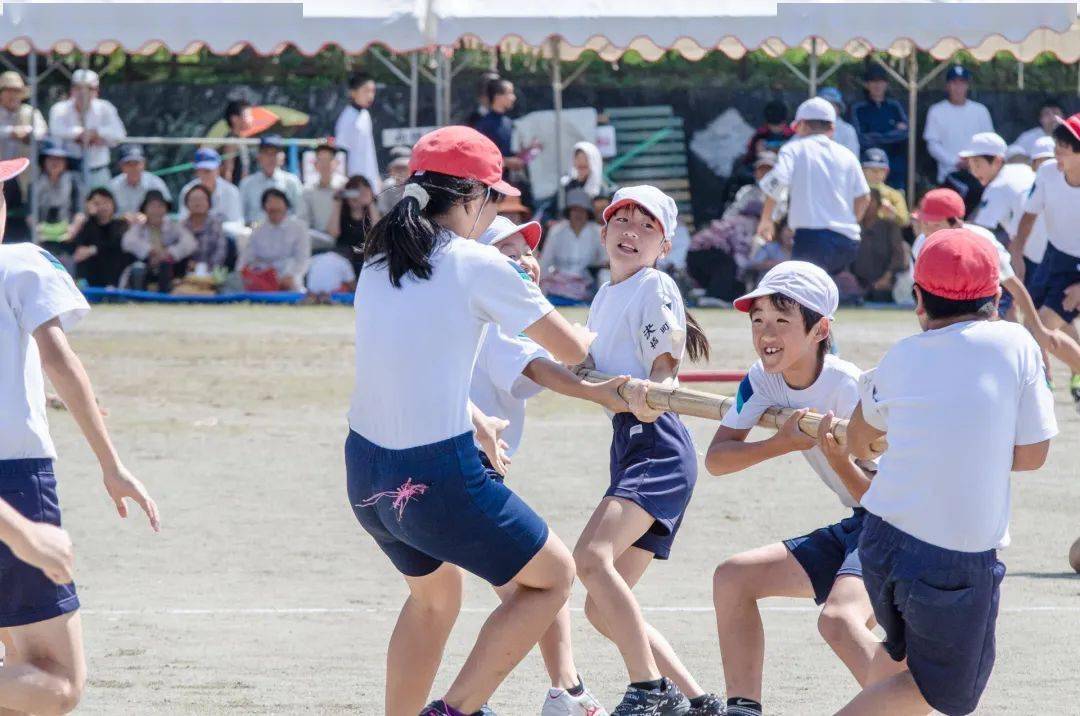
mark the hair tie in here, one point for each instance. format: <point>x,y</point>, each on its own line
<point>414,190</point>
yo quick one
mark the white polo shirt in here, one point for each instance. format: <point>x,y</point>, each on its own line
<point>34,288</point>
<point>954,402</point>
<point>1059,204</point>
<point>1005,269</point>
<point>949,128</point>
<point>416,345</point>
<point>836,389</point>
<point>823,179</point>
<point>1003,199</point>
<point>498,387</point>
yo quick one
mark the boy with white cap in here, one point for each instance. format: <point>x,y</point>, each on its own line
<point>828,193</point>
<point>1006,185</point>
<point>791,313</point>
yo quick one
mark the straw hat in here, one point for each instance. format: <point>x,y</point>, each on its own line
<point>13,80</point>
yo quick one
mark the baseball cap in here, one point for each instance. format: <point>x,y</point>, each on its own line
<point>85,77</point>
<point>1044,148</point>
<point>957,264</point>
<point>939,205</point>
<point>801,281</point>
<point>816,109</point>
<point>273,141</point>
<point>832,94</point>
<point>461,152</point>
<point>875,158</point>
<point>501,228</point>
<point>1016,150</point>
<point>131,153</point>
<point>1072,124</point>
<point>11,168</point>
<point>958,72</point>
<point>50,148</point>
<point>661,206</point>
<point>985,144</point>
<point>207,158</point>
<point>874,71</point>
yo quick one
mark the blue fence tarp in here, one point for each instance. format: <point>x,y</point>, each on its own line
<point>112,295</point>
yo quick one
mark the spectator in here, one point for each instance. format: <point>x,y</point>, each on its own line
<point>330,272</point>
<point>844,134</point>
<point>892,204</point>
<point>88,126</point>
<point>319,196</point>
<point>271,175</point>
<point>19,123</point>
<point>496,125</point>
<point>772,135</point>
<point>571,249</point>
<point>512,208</point>
<point>351,218</point>
<point>882,123</point>
<point>952,122</point>
<point>212,246</point>
<point>161,245</point>
<point>599,203</point>
<point>99,255</point>
<point>587,172</point>
<point>130,186</point>
<point>882,255</point>
<point>1049,112</point>
<point>238,117</point>
<point>353,131</point>
<point>225,197</point>
<point>827,191</point>
<point>394,184</point>
<point>765,256</point>
<point>276,256</point>
<point>482,105</point>
<point>58,191</point>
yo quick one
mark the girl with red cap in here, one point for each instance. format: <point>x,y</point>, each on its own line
<point>415,480</point>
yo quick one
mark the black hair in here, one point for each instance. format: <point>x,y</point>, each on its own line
<point>156,195</point>
<point>235,108</point>
<point>406,236</point>
<point>1052,101</point>
<point>1062,135</point>
<point>358,180</point>
<point>274,192</point>
<point>359,79</point>
<point>203,189</point>
<point>326,148</point>
<point>810,318</point>
<point>818,125</point>
<point>101,191</point>
<point>496,87</point>
<point>989,158</point>
<point>938,307</point>
<point>775,111</point>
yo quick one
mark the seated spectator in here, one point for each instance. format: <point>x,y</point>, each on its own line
<point>225,196</point>
<point>270,175</point>
<point>57,191</point>
<point>587,172</point>
<point>330,272</point>
<point>883,254</point>
<point>1050,109</point>
<point>130,186</point>
<point>599,203</point>
<point>99,254</point>
<point>767,254</point>
<point>276,256</point>
<point>844,134</point>
<point>160,244</point>
<point>398,174</point>
<point>351,218</point>
<point>572,248</point>
<point>319,196</point>
<point>212,246</point>
<point>894,208</point>
<point>772,135</point>
<point>20,124</point>
<point>512,208</point>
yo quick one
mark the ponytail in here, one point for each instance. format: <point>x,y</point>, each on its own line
<point>697,343</point>
<point>404,239</point>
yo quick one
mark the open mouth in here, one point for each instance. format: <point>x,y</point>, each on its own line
<point>770,351</point>
<point>627,248</point>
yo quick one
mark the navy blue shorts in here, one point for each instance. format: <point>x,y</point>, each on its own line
<point>654,465</point>
<point>1031,279</point>
<point>938,608</point>
<point>1056,273</point>
<point>436,503</point>
<point>26,594</point>
<point>829,552</point>
<point>828,249</point>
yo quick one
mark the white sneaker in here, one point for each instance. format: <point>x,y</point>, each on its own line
<point>559,702</point>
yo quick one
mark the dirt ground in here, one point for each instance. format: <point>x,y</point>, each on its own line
<point>263,595</point>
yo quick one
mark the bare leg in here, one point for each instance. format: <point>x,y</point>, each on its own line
<point>897,696</point>
<point>614,526</point>
<point>416,646</point>
<point>47,672</point>
<point>556,647</point>
<point>844,624</point>
<point>738,584</point>
<point>632,565</point>
<point>543,586</point>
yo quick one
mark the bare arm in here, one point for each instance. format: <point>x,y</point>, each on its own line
<point>40,544</point>
<point>766,228</point>
<point>554,376</point>
<point>861,205</point>
<point>1016,246</point>
<point>333,224</point>
<point>856,480</point>
<point>1030,457</point>
<point>569,344</point>
<point>861,435</point>
<point>729,452</point>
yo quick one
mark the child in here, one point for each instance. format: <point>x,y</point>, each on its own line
<point>44,669</point>
<point>643,331</point>
<point>509,370</point>
<point>963,403</point>
<point>791,313</point>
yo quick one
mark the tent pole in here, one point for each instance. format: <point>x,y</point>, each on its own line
<point>913,108</point>
<point>813,66</point>
<point>414,87</point>
<point>557,98</point>
<point>448,79</point>
<point>33,76</point>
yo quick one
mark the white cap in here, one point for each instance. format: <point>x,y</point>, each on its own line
<point>985,144</point>
<point>501,228</point>
<point>1043,148</point>
<point>817,109</point>
<point>85,77</point>
<point>1016,150</point>
<point>652,200</point>
<point>803,282</point>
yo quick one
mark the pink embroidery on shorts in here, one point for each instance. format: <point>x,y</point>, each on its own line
<point>407,491</point>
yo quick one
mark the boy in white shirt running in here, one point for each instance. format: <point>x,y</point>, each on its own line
<point>963,403</point>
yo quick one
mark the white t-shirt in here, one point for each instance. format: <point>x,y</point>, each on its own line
<point>846,135</point>
<point>1004,198</point>
<point>328,271</point>
<point>34,288</point>
<point>416,345</point>
<point>1005,269</point>
<point>1059,205</point>
<point>949,129</point>
<point>836,389</point>
<point>954,401</point>
<point>823,179</point>
<point>1028,138</point>
<point>637,321</point>
<point>353,133</point>
<point>498,387</point>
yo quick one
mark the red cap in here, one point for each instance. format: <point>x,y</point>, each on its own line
<point>1072,124</point>
<point>939,205</point>
<point>11,168</point>
<point>957,264</point>
<point>461,152</point>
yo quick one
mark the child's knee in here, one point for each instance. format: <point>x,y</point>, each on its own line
<point>728,582</point>
<point>835,624</point>
<point>70,695</point>
<point>591,562</point>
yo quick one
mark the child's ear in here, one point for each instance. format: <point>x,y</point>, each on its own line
<point>665,248</point>
<point>822,330</point>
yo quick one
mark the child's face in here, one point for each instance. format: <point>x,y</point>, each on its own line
<point>875,175</point>
<point>581,164</point>
<point>516,248</point>
<point>633,240</point>
<point>1065,155</point>
<point>984,170</point>
<point>780,338</point>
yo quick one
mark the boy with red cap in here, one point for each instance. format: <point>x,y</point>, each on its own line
<point>938,508</point>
